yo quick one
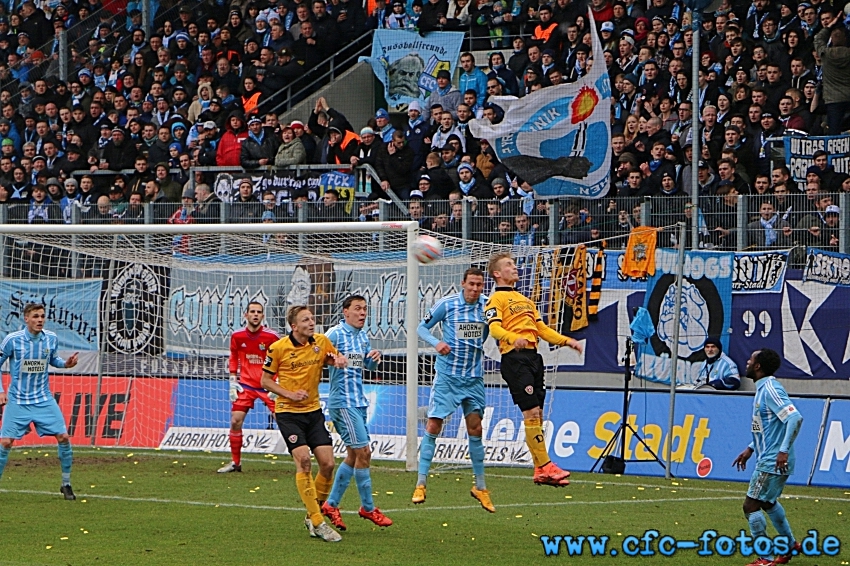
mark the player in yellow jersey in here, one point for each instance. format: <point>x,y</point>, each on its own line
<point>292,370</point>
<point>515,323</point>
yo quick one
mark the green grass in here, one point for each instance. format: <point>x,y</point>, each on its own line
<point>151,507</point>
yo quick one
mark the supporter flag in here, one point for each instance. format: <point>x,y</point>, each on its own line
<point>558,139</point>
<point>407,63</point>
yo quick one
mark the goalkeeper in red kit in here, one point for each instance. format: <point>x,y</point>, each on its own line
<point>248,349</point>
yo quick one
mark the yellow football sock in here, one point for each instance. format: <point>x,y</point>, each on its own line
<point>536,442</point>
<point>323,487</point>
<point>307,491</point>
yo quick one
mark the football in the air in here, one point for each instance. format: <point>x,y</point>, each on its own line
<point>427,249</point>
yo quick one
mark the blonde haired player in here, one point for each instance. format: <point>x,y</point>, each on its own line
<point>516,324</point>
<point>292,371</point>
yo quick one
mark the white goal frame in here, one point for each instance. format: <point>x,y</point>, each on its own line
<point>411,229</point>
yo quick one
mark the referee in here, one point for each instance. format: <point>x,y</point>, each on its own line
<point>29,400</point>
<point>515,323</point>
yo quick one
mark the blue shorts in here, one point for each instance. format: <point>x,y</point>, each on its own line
<point>449,393</point>
<point>766,487</point>
<point>46,417</point>
<point>350,423</point>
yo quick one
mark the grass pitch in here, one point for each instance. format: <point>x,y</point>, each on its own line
<point>170,508</point>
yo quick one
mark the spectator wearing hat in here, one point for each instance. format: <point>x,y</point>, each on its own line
<point>546,35</point>
<point>718,370</point>
<point>259,149</point>
<point>446,95</point>
<point>471,186</point>
<point>321,120</point>
<point>395,166</point>
<point>385,128</point>
<point>416,133</point>
<point>117,200</point>
<point>369,148</point>
<point>245,206</point>
<point>117,153</point>
<point>291,150</point>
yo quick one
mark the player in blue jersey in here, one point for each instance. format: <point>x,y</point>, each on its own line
<point>29,400</point>
<point>459,380</point>
<point>347,406</point>
<point>775,425</point>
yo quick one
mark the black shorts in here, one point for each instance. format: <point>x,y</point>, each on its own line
<point>303,429</point>
<point>523,371</point>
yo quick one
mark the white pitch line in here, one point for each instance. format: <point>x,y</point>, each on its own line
<point>399,510</point>
<point>285,460</point>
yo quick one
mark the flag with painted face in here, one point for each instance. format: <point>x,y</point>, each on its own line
<point>558,138</point>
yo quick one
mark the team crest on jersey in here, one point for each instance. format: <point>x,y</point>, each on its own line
<point>316,349</point>
<point>293,438</point>
<point>529,389</point>
<point>262,346</point>
<point>244,345</point>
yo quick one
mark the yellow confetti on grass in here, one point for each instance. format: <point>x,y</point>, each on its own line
<point>48,547</point>
<point>129,481</point>
<point>600,487</point>
<point>519,516</point>
<point>83,501</point>
<point>675,483</point>
<point>641,488</point>
<point>390,492</point>
<point>568,497</point>
<point>532,534</point>
<point>130,455</point>
<point>63,538</point>
<point>445,524</point>
<point>85,532</point>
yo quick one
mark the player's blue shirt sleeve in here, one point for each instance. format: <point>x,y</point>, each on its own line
<point>776,423</point>
<point>778,402</point>
<point>436,314</point>
<point>5,354</point>
<point>368,363</point>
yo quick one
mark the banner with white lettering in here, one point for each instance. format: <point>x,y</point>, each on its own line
<point>706,311</point>
<point>829,268</point>
<point>407,63</point>
<point>72,309</point>
<point>557,139</point>
<point>800,155</point>
<point>759,272</point>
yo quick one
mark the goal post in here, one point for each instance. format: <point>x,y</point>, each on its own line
<point>65,244</point>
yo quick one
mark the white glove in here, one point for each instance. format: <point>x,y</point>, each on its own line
<point>235,390</point>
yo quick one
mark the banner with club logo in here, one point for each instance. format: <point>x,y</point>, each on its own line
<point>407,63</point>
<point>706,310</point>
<point>557,138</point>
<point>829,268</point>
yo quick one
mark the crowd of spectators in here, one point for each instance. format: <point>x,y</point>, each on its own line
<point>195,91</point>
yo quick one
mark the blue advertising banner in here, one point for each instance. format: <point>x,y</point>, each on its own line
<point>72,309</point>
<point>706,310</point>
<point>710,430</point>
<point>407,63</point>
<point>833,463</point>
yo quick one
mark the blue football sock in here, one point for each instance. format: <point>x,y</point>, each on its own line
<point>780,523</point>
<point>66,458</point>
<point>476,454</point>
<point>758,526</point>
<point>343,478</point>
<point>364,485</point>
<point>426,454</point>
<point>4,457</point>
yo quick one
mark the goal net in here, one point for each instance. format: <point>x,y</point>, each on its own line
<point>151,309</point>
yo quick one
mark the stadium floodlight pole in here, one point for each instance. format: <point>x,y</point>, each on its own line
<point>674,350</point>
<point>412,347</point>
<point>696,151</point>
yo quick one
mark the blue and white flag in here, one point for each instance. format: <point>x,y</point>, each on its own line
<point>407,63</point>
<point>557,139</point>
